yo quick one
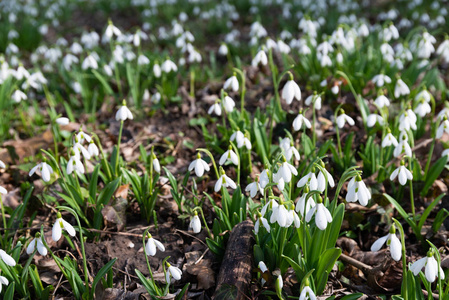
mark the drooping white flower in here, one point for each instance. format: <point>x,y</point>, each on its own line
<point>401,88</point>
<point>215,108</point>
<point>195,223</point>
<point>343,118</point>
<point>389,140</point>
<point>263,268</point>
<point>381,79</point>
<point>231,84</point>
<point>299,121</point>
<point>112,30</point>
<point>18,96</point>
<point>168,66</point>
<point>382,101</point>
<point>431,267</point>
<point>172,272</point>
<point>241,139</point>
<point>315,99</point>
<point>45,170</point>
<point>307,294</point>
<point>254,187</point>
<point>444,127</point>
<point>402,173</point>
<point>37,243</point>
<point>89,62</point>
<point>62,121</point>
<point>407,120</point>
<point>79,149</point>
<point>372,119</point>
<point>3,281</point>
<point>357,191</point>
<point>3,191</point>
<point>229,155</point>
<point>93,149</point>
<point>224,181</point>
<point>322,215</point>
<point>199,165</point>
<point>286,171</point>
<point>152,245</point>
<point>321,180</point>
<point>7,259</point>
<point>393,241</point>
<point>309,179</point>
<point>264,222</point>
<point>123,113</point>
<point>223,50</point>
<point>228,104</point>
<point>2,165</point>
<point>279,180</point>
<point>60,224</point>
<point>75,164</point>
<point>260,58</point>
<point>264,178</point>
<point>402,146</point>
<point>423,108</point>
<point>302,206</point>
<point>291,91</point>
<point>157,70</point>
<point>156,164</point>
<point>142,60</point>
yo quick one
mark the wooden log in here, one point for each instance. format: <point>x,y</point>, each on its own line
<point>235,274</point>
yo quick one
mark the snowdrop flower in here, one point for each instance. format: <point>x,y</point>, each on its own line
<point>89,62</point>
<point>18,96</point>
<point>444,127</point>
<point>336,87</point>
<point>423,108</point>
<point>75,164</point>
<point>307,293</point>
<point>60,224</point>
<point>264,222</point>
<point>228,103</point>
<point>393,241</point>
<point>157,70</point>
<point>112,30</point>
<point>2,165</point>
<point>215,108</point>
<point>279,284</point>
<point>309,179</point>
<point>44,169</point>
<point>93,149</point>
<point>172,272</point>
<point>343,118</point>
<point>21,73</point>
<point>402,173</point>
<point>401,89</point>
<point>389,140</point>
<point>152,245</point>
<point>156,164</point>
<point>289,150</point>
<point>223,50</point>
<point>291,90</point>
<point>81,136</point>
<point>260,58</point>
<point>142,60</point>
<point>381,79</point>
<point>123,113</point>
<point>323,216</point>
<point>224,181</point>
<point>168,66</point>
<point>280,182</point>
<point>264,178</point>
<point>402,146</point>
<point>321,179</point>
<point>195,223</point>
<point>315,99</point>
<point>7,259</point>
<point>199,165</point>
<point>357,191</point>
<point>407,120</point>
<point>3,191</point>
<point>299,121</point>
<point>431,267</point>
<point>37,243</point>
<point>382,101</point>
<point>62,121</point>
<point>79,149</point>
<point>231,83</point>
<point>286,170</point>
<point>253,187</point>
<point>4,281</point>
<point>302,206</point>
<point>229,155</point>
<point>263,268</point>
<point>373,119</point>
<point>241,139</point>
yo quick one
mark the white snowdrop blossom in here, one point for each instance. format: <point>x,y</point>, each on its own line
<point>223,50</point>
<point>407,120</point>
<point>89,63</point>
<point>260,58</point>
<point>402,173</point>
<point>18,96</point>
<point>37,243</point>
<point>286,171</point>
<point>444,127</point>
<point>111,30</point>
<point>215,108</point>
<point>403,146</point>
<point>2,165</point>
<point>93,149</point>
<point>231,83</point>
<point>315,99</point>
<point>7,259</point>
<point>60,224</point>
<point>389,140</point>
<point>3,281</point>
<point>309,179</point>
<point>62,121</point>
<point>3,191</point>
<point>264,222</point>
<point>299,121</point>
<point>168,66</point>
<point>228,104</point>
<point>382,101</point>
<point>264,178</point>
<point>343,118</point>
<point>253,188</point>
<point>302,206</point>
<point>81,136</point>
<point>381,79</point>
<point>392,240</point>
<point>357,191</point>
<point>280,215</point>
<point>241,139</point>
<point>291,91</point>
<point>172,272</point>
<point>263,268</point>
<point>431,270</point>
<point>401,89</point>
<point>156,164</point>
<point>199,165</point>
<point>79,149</point>
<point>123,113</point>
<point>157,70</point>
<point>372,119</point>
<point>307,294</point>
<point>75,164</point>
<point>152,245</point>
<point>322,215</point>
<point>229,155</point>
<point>44,169</point>
<point>224,181</point>
<point>321,180</point>
<point>195,223</point>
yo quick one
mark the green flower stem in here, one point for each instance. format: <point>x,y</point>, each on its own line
<point>118,147</point>
<point>240,163</point>
<point>192,84</point>
<point>212,159</point>
<point>412,199</point>
<point>116,71</point>
<point>146,256</point>
<point>3,214</point>
<point>313,126</point>
<point>103,157</point>
<point>404,257</point>
<point>282,241</point>
<point>204,221</point>
<point>243,92</point>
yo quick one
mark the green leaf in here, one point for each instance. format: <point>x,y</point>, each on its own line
<point>352,297</point>
<point>107,88</point>
<point>107,192</point>
<point>433,174</point>
<point>103,271</point>
<point>325,265</point>
<point>9,294</point>
<point>402,212</point>
<point>261,140</point>
<point>428,210</point>
<point>172,179</point>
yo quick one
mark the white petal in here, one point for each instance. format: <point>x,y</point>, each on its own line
<point>379,243</point>
<point>41,248</point>
<point>431,269</point>
<point>31,246</point>
<point>417,266</point>
<point>320,217</point>
<point>395,247</point>
<point>56,231</point>
<point>150,247</point>
<point>68,227</point>
<point>7,258</point>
